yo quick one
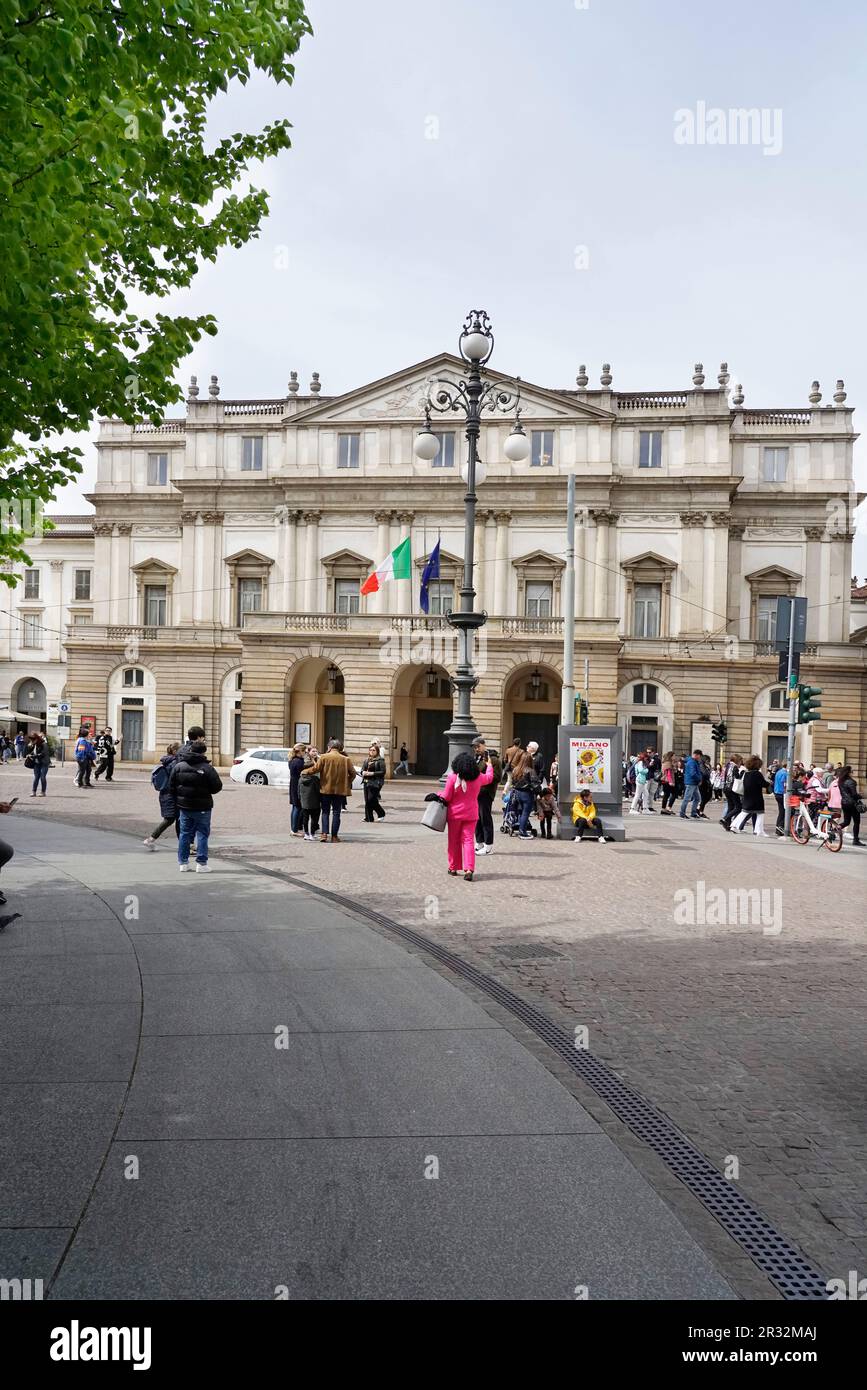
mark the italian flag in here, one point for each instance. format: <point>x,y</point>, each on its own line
<point>397,565</point>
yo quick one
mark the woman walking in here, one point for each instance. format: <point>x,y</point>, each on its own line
<point>311,798</point>
<point>849,803</point>
<point>733,786</point>
<point>372,781</point>
<point>668,781</point>
<point>755,787</point>
<point>461,795</point>
<point>168,806</point>
<point>525,788</point>
<point>39,758</point>
<point>296,763</point>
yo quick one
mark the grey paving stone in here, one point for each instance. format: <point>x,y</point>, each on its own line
<point>525,1217</point>
<point>308,1001</point>
<point>69,1042</point>
<point>198,953</point>
<point>53,1138</point>
<point>85,979</point>
<point>446,1081</point>
<point>31,1253</point>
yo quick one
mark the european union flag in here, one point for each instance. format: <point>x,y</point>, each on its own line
<point>430,571</point>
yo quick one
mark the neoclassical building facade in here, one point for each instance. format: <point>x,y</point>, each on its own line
<point>230,545</point>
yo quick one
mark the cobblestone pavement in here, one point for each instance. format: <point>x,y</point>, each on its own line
<point>751,1039</point>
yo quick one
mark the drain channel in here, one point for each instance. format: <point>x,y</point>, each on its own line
<point>788,1270</point>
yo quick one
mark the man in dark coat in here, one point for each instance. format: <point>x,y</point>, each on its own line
<point>106,749</point>
<point>194,782</point>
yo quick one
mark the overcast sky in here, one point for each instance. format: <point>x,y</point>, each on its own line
<point>555,194</point>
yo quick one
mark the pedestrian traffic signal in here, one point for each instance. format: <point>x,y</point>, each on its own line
<point>719,733</point>
<point>808,706</point>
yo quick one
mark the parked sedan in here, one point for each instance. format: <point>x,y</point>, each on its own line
<point>262,767</point>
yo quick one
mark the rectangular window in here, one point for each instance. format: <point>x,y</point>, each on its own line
<point>134,675</point>
<point>348,450</point>
<point>156,604</point>
<point>778,699</point>
<point>446,456</point>
<point>158,470</point>
<point>32,631</point>
<point>251,453</point>
<point>650,448</point>
<point>644,695</point>
<point>346,595</point>
<point>82,584</point>
<point>766,618</point>
<point>249,597</point>
<point>82,619</point>
<point>31,583</point>
<point>442,597</point>
<point>775,463</point>
<point>542,449</point>
<point>539,599</point>
<point>648,601</point>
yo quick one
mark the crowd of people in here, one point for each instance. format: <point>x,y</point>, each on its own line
<point>742,784</point>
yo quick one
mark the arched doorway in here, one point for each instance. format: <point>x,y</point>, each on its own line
<point>645,713</point>
<point>421,713</point>
<point>29,698</point>
<point>314,702</point>
<point>531,708</point>
<point>132,699</point>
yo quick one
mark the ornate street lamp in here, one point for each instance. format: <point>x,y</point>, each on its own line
<point>470,396</point>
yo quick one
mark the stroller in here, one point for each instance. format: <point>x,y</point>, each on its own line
<point>509,823</point>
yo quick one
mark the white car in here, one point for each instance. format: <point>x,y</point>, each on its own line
<point>262,767</point>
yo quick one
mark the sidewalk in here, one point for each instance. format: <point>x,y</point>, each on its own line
<point>140,1014</point>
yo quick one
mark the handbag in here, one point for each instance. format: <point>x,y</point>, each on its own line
<point>28,761</point>
<point>861,806</point>
<point>738,786</point>
<point>435,815</point>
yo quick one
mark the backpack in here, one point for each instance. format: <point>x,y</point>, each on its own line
<point>81,750</point>
<point>160,777</point>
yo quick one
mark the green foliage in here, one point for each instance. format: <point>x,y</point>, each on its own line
<point>108,187</point>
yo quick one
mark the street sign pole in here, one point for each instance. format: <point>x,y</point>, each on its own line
<point>793,711</point>
<point>567,700</point>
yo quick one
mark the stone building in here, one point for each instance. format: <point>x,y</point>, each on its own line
<point>230,545</point>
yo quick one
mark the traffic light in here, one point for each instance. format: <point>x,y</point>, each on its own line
<point>808,705</point>
<point>719,733</point>
<point>581,712</point>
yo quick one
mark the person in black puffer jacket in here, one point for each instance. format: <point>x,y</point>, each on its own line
<point>168,806</point>
<point>753,798</point>
<point>849,802</point>
<point>194,783</point>
<point>373,778</point>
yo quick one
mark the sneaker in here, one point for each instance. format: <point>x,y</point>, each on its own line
<point>481,849</point>
<point>203,868</point>
<point>635,813</point>
<point>335,839</point>
<point>323,839</point>
<point>150,842</point>
<point>468,876</point>
<point>183,868</point>
<point>310,837</point>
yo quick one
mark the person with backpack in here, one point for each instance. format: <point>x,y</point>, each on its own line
<point>168,806</point>
<point>194,782</point>
<point>526,786</point>
<point>693,772</point>
<point>85,755</point>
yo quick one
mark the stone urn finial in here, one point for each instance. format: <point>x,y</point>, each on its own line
<point>293,383</point>
<point>839,394</point>
<point>214,388</point>
<point>315,384</point>
<point>723,377</point>
<point>738,397</point>
<point>193,388</point>
<point>606,377</point>
<point>698,375</point>
<point>582,379</point>
<point>815,394</point>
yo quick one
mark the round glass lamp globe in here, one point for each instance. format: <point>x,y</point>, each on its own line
<point>517,446</point>
<point>426,445</point>
<point>481,472</point>
<point>475,346</point>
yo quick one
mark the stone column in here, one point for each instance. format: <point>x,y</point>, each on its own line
<point>198,577</point>
<point>581,521</point>
<point>479,573</point>
<point>404,597</point>
<point>825,587</point>
<point>287,600</point>
<point>709,621</point>
<point>501,565</point>
<point>600,582</point>
<point>56,613</point>
<point>815,535</point>
<point>185,607</point>
<point>377,603</point>
<point>217,603</point>
<point>120,592</point>
<point>312,600</point>
<point>692,573</point>
<point>733,583</point>
<point>718,600</point>
<point>490,559</point>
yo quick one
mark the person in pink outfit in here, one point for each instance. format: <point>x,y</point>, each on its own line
<point>461,795</point>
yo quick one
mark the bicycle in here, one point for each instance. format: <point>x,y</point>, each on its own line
<point>825,830</point>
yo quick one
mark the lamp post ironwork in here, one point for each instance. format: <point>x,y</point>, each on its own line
<point>472,396</point>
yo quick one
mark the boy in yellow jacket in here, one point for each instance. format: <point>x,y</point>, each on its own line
<point>585,818</point>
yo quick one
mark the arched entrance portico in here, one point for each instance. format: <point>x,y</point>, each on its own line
<point>421,713</point>
<point>314,711</point>
<point>531,708</point>
<point>29,698</point>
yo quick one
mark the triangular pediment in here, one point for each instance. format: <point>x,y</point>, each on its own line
<point>400,397</point>
<point>648,558</point>
<point>776,572</point>
<point>346,557</point>
<point>151,566</point>
<point>447,560</point>
<point>541,558</point>
<point>248,557</point>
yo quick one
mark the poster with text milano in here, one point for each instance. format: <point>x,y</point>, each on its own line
<point>591,763</point>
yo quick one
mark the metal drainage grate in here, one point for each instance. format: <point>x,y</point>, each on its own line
<point>525,951</point>
<point>792,1274</point>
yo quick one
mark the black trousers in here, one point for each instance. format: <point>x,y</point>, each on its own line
<point>371,802</point>
<point>310,821</point>
<point>667,796</point>
<point>6,853</point>
<point>733,806</point>
<point>164,825</point>
<point>591,828</point>
<point>485,823</point>
<point>850,817</point>
<point>105,765</point>
<point>84,771</point>
<point>545,821</point>
<point>781,809</point>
